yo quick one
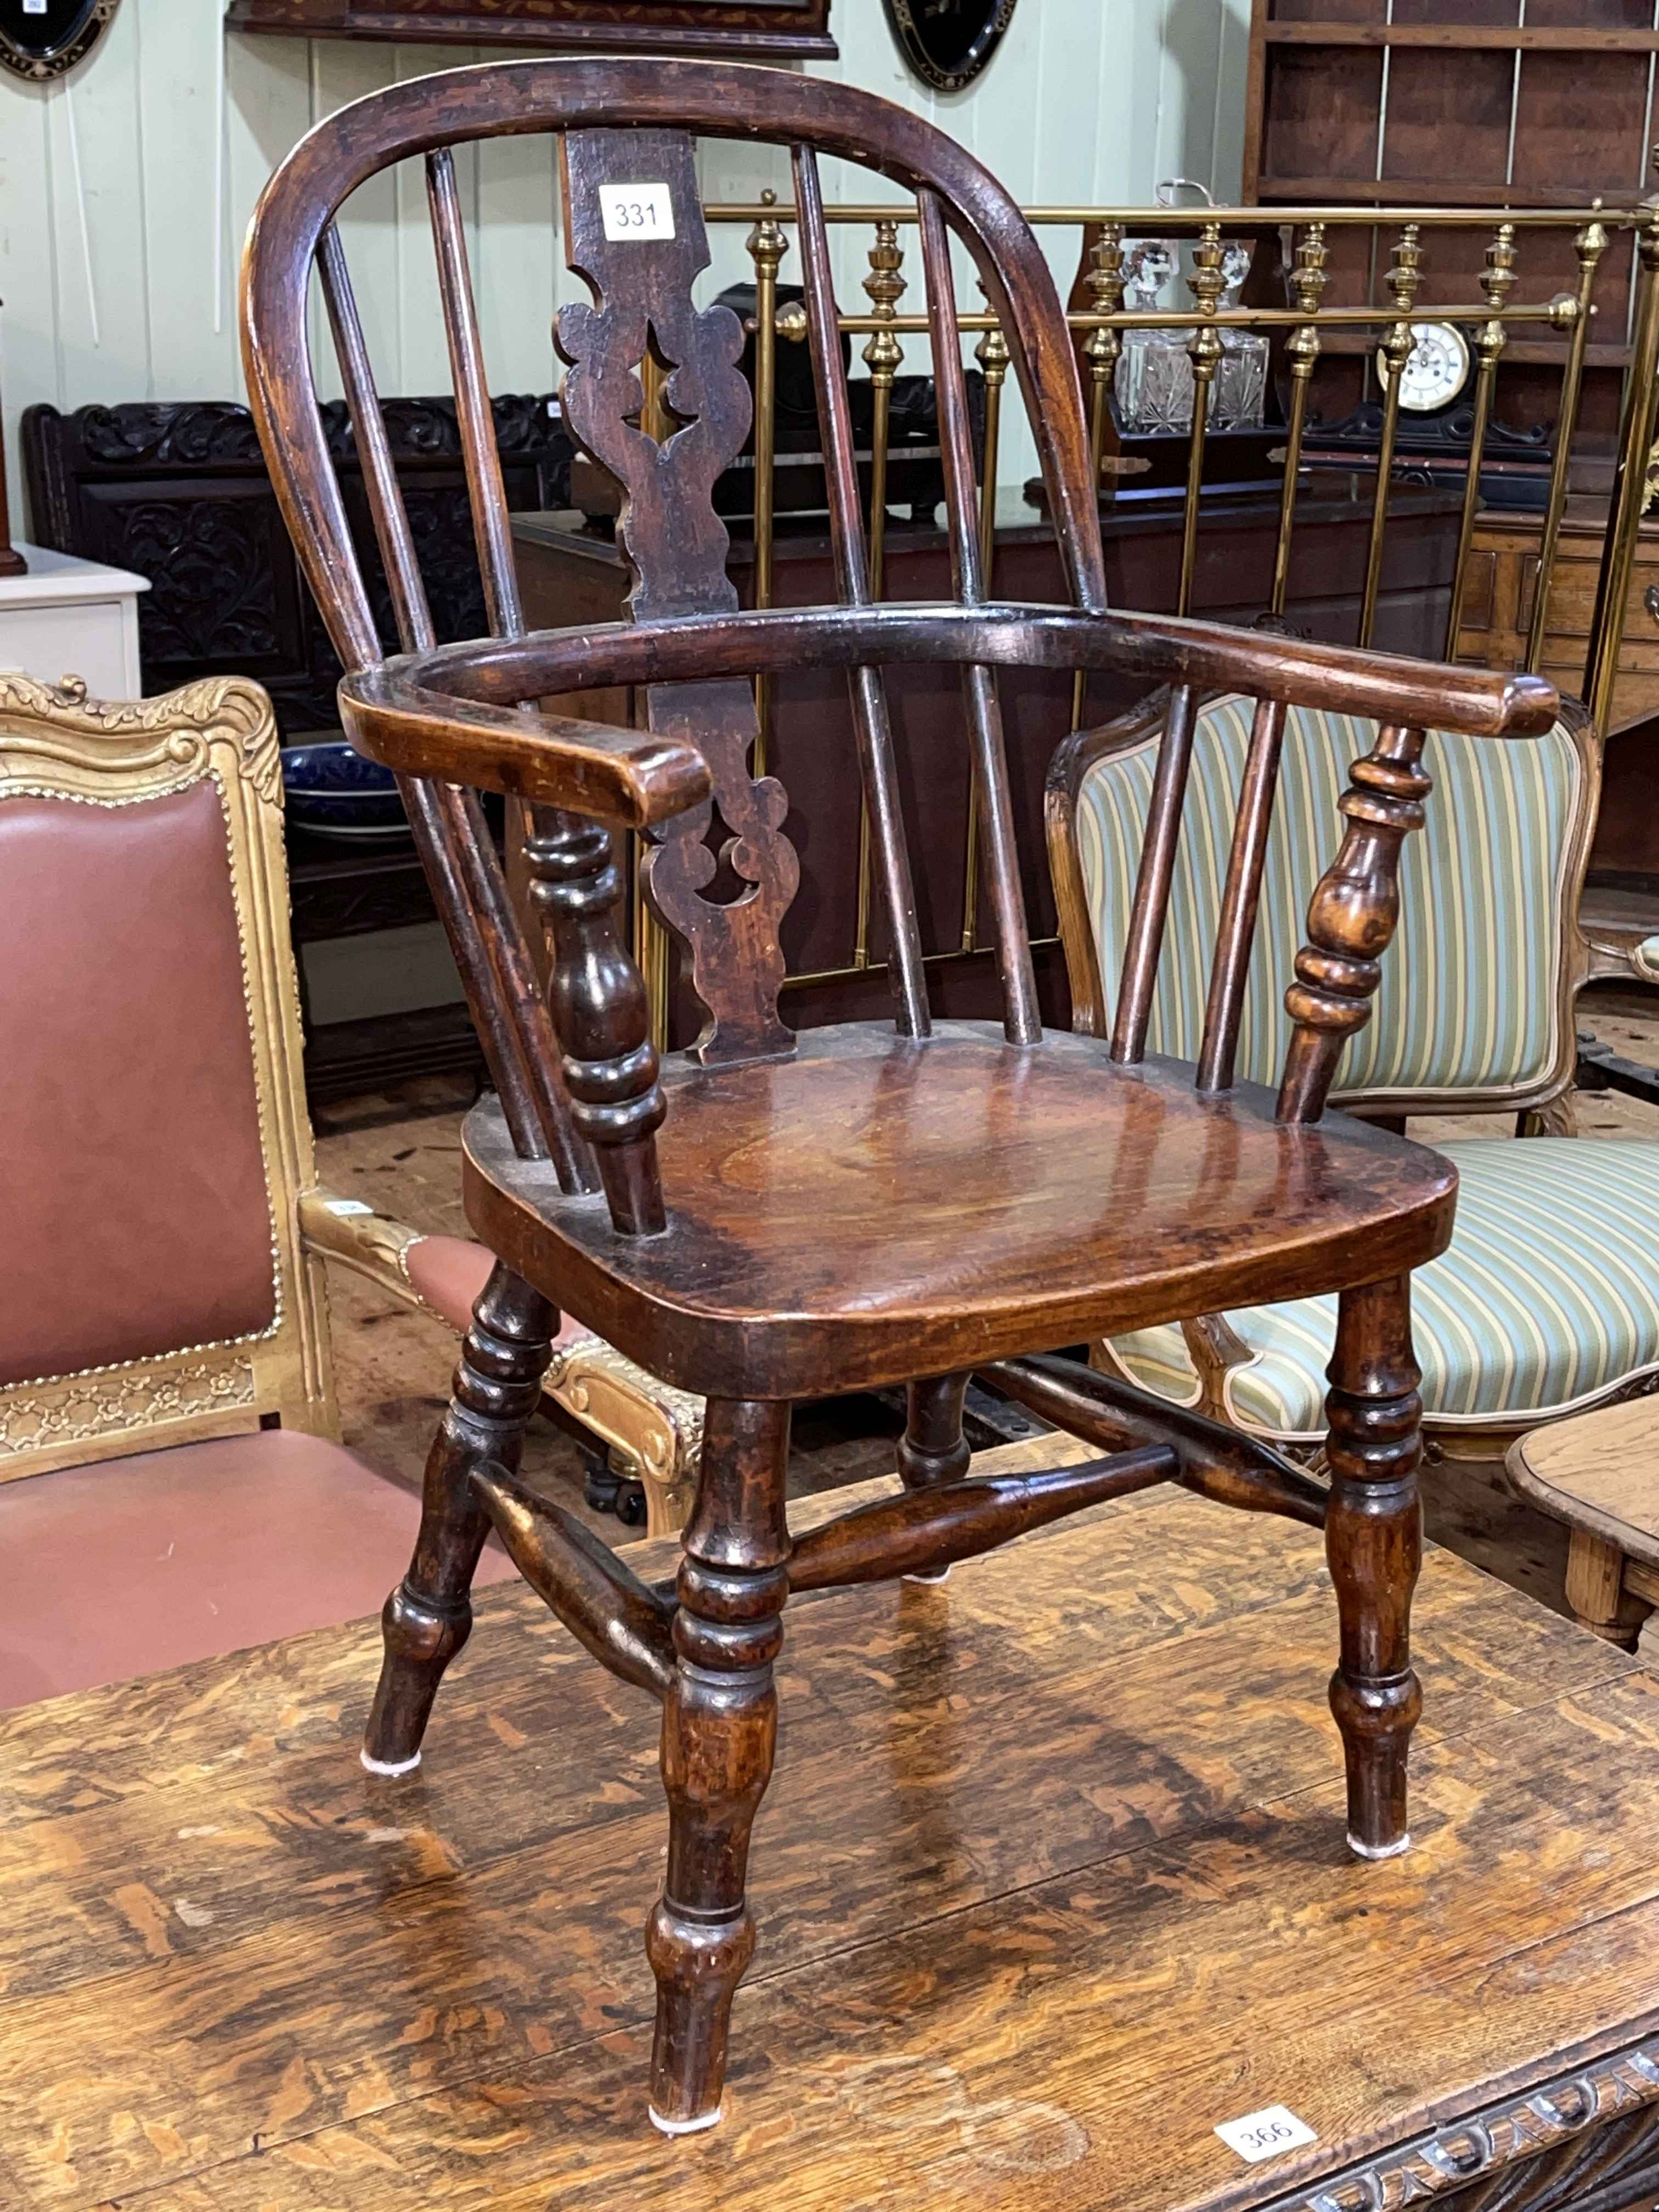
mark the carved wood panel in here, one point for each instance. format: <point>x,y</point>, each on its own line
<point>722,875</point>
<point>178,493</point>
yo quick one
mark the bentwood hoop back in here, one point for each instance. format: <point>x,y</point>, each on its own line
<point>766,1218</point>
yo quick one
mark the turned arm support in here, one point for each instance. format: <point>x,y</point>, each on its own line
<point>1351,918</point>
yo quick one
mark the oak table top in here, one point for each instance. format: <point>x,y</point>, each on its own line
<point>1079,1894</point>
<point>1599,1471</point>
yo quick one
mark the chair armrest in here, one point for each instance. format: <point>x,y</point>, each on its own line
<point>1645,959</point>
<point>627,779</point>
<point>1384,687</point>
<point>371,1244</point>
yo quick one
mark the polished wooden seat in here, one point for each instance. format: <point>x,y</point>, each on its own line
<point>1101,1190</point>
<point>769,1216</point>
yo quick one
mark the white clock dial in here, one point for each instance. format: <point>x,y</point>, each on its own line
<point>1436,370</point>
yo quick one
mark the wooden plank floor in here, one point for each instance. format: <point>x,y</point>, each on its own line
<point>1051,1880</point>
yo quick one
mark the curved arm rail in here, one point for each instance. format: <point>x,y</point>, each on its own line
<point>455,712</point>
<point>628,779</point>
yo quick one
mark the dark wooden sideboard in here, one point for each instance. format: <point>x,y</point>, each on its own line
<point>572,572</point>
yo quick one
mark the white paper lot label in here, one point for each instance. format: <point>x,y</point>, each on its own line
<point>1266,2134</point>
<point>637,210</point>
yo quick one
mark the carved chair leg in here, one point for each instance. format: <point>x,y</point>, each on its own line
<point>428,1617</point>
<point>1374,1542</point>
<point>719,1734</point>
<point>932,1448</point>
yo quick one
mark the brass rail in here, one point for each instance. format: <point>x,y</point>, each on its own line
<point>1556,328</point>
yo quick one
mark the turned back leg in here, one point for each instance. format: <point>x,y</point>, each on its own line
<point>719,1734</point>
<point>932,1448</point>
<point>1374,1542</point>
<point>428,1617</point>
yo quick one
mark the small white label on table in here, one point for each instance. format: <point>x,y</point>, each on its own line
<point>347,1205</point>
<point>637,210</point>
<point>35,7</point>
<point>1266,2134</point>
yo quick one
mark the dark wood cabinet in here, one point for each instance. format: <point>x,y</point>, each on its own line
<point>757,30</point>
<point>1448,103</point>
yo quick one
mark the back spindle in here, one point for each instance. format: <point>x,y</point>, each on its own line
<point>1151,910</point>
<point>1241,895</point>
<point>385,495</point>
<point>869,696</point>
<point>487,493</point>
<point>514,1025</point>
<point>1022,1024</point>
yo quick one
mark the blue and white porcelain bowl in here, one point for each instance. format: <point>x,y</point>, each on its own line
<point>335,792</point>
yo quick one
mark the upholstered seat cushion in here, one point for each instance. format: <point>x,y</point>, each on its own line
<point>132,1566</point>
<point>1548,1297</point>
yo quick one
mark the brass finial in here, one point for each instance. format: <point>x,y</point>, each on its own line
<point>1403,280</point>
<point>766,241</point>
<point>886,287</point>
<point>1105,282</point>
<point>1206,284</point>
<point>1308,280</point>
<point>992,352</point>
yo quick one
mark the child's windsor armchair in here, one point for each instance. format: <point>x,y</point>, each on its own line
<point>765,1217</point>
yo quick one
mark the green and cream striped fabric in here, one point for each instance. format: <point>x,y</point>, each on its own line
<point>1548,1296</point>
<point>1469,989</point>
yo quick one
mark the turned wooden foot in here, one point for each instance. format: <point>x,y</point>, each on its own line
<point>719,1734</point>
<point>428,1617</point>
<point>932,1448</point>
<point>1374,1542</point>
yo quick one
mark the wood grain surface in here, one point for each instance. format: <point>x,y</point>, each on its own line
<point>1599,1471</point>
<point>1081,1894</point>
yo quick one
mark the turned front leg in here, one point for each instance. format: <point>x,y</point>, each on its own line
<point>428,1617</point>
<point>719,1734</point>
<point>1374,1542</point>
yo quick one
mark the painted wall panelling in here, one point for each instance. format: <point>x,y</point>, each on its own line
<point>124,192</point>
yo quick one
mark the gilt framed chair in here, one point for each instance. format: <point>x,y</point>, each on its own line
<point>764,1217</point>
<point>1546,1303</point>
<point>171,1473</point>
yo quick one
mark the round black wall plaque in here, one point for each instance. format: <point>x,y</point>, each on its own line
<point>949,42</point>
<point>41,38</point>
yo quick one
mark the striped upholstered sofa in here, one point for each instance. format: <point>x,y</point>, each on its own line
<point>1548,1300</point>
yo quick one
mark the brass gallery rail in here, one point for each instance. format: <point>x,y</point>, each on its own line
<point>1611,247</point>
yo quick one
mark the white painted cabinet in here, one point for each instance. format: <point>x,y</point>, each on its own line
<point>72,617</point>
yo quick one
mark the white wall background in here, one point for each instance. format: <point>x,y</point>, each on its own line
<point>124,192</point>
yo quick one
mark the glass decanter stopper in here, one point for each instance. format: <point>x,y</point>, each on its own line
<point>1238,397</point>
<point>1154,383</point>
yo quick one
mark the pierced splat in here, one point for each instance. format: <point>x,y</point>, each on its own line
<point>677,547</point>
